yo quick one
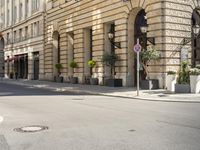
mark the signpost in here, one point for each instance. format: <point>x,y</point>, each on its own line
<point>137,49</point>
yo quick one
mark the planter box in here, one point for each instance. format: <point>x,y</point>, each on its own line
<point>149,84</point>
<point>94,81</point>
<point>170,82</point>
<point>113,82</point>
<point>195,83</point>
<point>58,79</point>
<point>11,76</point>
<point>182,88</point>
<point>74,80</point>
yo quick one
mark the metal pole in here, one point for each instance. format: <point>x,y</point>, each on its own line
<point>138,71</point>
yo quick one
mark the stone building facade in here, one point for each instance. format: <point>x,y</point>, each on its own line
<point>78,30</point>
<point>81,28</point>
<point>22,27</point>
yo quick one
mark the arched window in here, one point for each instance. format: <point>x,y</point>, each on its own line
<point>195,39</point>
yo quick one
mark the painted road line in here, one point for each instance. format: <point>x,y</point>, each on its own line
<point>1,119</point>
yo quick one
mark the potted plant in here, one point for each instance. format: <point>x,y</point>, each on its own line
<point>147,56</point>
<point>92,64</point>
<point>195,80</point>
<point>73,80</point>
<point>11,75</point>
<point>183,79</point>
<point>171,80</point>
<point>59,77</point>
<point>110,59</point>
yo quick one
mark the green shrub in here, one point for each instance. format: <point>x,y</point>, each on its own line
<point>147,56</point>
<point>183,75</point>
<point>73,64</point>
<point>110,59</point>
<point>58,66</point>
<point>91,63</point>
<point>198,66</point>
<point>171,73</point>
<point>194,71</point>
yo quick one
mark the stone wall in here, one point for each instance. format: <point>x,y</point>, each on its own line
<point>75,17</point>
<point>168,21</point>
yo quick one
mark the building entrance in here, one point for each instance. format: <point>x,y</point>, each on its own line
<point>21,66</point>
<point>36,63</point>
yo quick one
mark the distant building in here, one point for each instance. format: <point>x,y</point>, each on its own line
<point>22,29</point>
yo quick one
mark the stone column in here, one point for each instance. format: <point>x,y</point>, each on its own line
<point>70,44</point>
<point>87,51</point>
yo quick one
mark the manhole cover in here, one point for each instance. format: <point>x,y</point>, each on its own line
<point>31,129</point>
<point>131,130</point>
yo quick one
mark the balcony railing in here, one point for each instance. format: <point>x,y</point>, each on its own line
<point>21,39</point>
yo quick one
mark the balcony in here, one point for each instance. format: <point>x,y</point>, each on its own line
<point>22,39</point>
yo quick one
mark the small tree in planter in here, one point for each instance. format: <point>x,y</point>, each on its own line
<point>110,59</point>
<point>183,79</point>
<point>59,67</point>
<point>147,56</point>
<point>195,80</point>
<point>92,64</point>
<point>171,80</point>
<point>73,80</point>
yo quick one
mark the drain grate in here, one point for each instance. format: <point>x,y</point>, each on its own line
<point>31,129</point>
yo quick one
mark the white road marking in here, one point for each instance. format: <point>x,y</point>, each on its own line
<point>1,119</point>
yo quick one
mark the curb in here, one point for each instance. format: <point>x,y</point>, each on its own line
<point>103,94</point>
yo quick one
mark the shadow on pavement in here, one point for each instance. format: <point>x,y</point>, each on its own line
<point>22,90</point>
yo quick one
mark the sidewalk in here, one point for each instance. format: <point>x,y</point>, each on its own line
<point>125,92</point>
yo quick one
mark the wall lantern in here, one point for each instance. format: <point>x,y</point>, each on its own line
<point>111,37</point>
<point>196,31</point>
<point>144,30</point>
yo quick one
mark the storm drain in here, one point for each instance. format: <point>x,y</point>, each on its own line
<point>31,129</point>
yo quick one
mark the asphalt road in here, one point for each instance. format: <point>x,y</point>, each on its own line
<point>89,122</point>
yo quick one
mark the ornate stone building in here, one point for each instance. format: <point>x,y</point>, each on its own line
<point>78,30</point>
<point>22,27</point>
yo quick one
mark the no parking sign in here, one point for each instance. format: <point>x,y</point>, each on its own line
<point>137,48</point>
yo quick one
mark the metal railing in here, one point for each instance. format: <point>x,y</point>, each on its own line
<point>23,38</point>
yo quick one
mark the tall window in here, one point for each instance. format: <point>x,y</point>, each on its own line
<point>35,5</point>
<point>8,38</point>
<point>15,36</point>
<point>15,14</point>
<point>20,34</point>
<point>26,32</point>
<point>20,11</point>
<point>27,8</point>
<point>8,17</point>
<point>195,40</point>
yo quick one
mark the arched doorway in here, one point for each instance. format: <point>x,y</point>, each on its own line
<point>195,39</point>
<point>2,68</point>
<point>137,19</point>
<point>56,51</point>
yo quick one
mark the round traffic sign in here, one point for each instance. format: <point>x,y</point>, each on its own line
<point>137,48</point>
